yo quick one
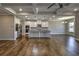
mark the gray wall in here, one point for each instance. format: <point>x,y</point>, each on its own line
<point>77,26</point>
<point>6,27</point>
<point>56,27</point>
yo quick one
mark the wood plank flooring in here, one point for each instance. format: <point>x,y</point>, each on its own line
<point>55,46</point>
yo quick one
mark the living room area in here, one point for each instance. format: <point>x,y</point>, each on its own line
<point>39,29</point>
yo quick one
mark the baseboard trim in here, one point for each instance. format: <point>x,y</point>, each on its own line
<point>57,33</point>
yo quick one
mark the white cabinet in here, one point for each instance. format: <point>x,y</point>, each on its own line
<point>35,23</point>
<point>45,24</point>
<point>31,23</point>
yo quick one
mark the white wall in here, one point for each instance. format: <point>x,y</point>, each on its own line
<point>56,27</point>
<point>16,21</point>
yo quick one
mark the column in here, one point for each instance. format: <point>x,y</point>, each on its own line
<point>23,27</point>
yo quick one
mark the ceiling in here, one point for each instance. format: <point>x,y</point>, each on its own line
<point>39,10</point>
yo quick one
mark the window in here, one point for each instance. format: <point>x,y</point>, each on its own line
<point>71,27</point>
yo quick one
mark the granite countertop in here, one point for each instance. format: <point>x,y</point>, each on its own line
<point>37,30</point>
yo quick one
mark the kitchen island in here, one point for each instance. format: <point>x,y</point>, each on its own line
<point>39,32</point>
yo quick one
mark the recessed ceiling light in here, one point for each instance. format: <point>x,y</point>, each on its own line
<point>63,22</point>
<point>26,16</point>
<point>75,9</point>
<point>53,16</point>
<point>20,9</point>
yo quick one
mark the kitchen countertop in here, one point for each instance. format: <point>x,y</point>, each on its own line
<point>39,30</point>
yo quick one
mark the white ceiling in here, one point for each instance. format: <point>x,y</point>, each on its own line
<point>29,9</point>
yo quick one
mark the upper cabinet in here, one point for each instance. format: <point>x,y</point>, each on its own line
<point>45,24</point>
<point>35,23</point>
<point>31,23</point>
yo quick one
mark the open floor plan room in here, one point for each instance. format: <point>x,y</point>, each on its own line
<point>39,29</point>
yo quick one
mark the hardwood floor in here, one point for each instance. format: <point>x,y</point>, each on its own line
<point>55,46</point>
